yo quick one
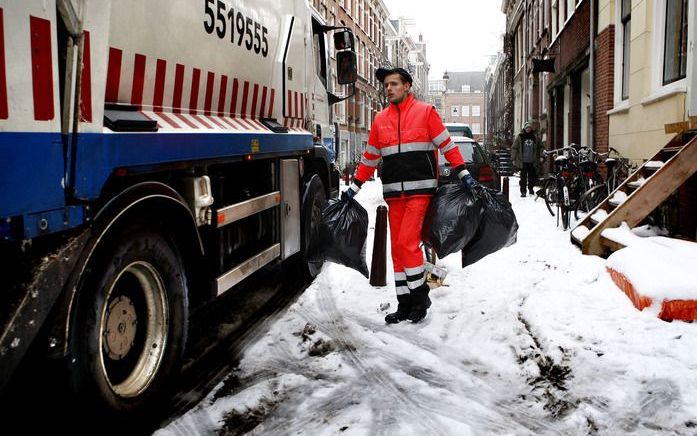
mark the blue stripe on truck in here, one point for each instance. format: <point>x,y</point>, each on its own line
<point>31,164</point>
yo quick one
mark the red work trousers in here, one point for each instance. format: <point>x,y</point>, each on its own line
<point>406,216</point>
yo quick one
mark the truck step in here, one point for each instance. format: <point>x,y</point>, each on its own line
<point>247,268</point>
<point>238,211</point>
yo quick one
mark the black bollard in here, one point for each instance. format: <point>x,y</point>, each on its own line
<point>378,266</point>
<point>504,188</point>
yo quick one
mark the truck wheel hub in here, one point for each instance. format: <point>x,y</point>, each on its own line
<point>121,324</point>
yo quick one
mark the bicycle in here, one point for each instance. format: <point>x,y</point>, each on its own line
<point>575,172</point>
<point>555,189</point>
<point>618,169</point>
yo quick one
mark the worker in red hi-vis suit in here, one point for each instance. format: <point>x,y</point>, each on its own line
<point>406,136</point>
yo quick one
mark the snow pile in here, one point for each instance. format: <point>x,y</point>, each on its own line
<point>658,267</point>
<point>648,230</point>
<point>618,198</point>
<point>622,235</point>
<point>637,183</point>
<point>580,232</point>
<point>626,236</point>
<point>654,164</point>
<point>599,215</point>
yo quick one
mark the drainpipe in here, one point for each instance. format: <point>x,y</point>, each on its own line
<point>592,76</point>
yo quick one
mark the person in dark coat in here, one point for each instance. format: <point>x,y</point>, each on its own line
<point>526,154</point>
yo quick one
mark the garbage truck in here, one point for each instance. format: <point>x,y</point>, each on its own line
<point>154,154</point>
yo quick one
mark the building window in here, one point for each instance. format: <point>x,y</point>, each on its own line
<point>466,89</point>
<point>438,103</point>
<point>454,111</point>
<point>555,18</point>
<point>476,128</point>
<point>626,19</point>
<point>476,110</point>
<point>465,111</point>
<point>675,54</point>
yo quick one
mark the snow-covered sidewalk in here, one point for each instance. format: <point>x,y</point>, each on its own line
<point>534,339</point>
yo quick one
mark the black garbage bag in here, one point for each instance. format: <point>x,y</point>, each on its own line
<point>344,232</point>
<point>497,229</point>
<point>452,219</point>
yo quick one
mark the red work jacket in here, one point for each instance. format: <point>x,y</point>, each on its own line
<point>407,136</point>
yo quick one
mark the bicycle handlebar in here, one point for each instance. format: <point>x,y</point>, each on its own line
<point>557,150</point>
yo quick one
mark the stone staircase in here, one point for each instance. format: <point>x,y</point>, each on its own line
<point>639,195</point>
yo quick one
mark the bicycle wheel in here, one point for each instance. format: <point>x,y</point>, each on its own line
<point>565,217</point>
<point>565,206</point>
<point>590,199</point>
<point>551,194</point>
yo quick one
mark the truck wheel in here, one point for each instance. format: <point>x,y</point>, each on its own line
<point>131,323</point>
<point>314,201</point>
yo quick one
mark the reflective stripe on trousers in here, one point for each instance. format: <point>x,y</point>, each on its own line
<point>406,216</point>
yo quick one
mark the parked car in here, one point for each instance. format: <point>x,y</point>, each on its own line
<point>459,129</point>
<point>476,160</point>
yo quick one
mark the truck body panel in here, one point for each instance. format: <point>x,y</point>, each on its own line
<point>161,152</point>
<point>207,94</point>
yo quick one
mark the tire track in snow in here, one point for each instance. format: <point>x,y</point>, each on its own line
<point>500,415</point>
<point>396,402</point>
<point>488,416</point>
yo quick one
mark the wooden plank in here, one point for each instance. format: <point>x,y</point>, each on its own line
<point>680,127</point>
<point>648,196</point>
<point>610,244</point>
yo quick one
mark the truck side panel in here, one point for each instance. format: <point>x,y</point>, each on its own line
<point>31,168</point>
<point>192,64</point>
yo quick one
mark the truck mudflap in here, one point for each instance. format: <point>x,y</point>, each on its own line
<point>32,301</point>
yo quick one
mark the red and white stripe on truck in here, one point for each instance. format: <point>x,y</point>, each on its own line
<point>186,97</point>
<point>180,98</point>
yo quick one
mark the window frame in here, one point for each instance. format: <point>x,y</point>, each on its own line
<point>659,88</point>
<point>685,28</point>
<point>620,98</point>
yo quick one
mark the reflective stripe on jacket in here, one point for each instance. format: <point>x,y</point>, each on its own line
<point>406,137</point>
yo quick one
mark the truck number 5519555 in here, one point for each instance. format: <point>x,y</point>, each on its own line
<point>237,25</point>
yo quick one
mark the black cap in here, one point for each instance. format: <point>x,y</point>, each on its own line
<point>383,72</point>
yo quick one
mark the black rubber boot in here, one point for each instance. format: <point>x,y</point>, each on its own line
<point>403,310</point>
<point>419,303</point>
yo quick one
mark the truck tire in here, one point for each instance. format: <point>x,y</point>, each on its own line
<point>131,324</point>
<point>314,201</point>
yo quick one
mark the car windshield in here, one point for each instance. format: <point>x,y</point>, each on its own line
<point>468,151</point>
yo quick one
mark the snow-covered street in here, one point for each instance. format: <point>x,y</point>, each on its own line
<point>534,339</point>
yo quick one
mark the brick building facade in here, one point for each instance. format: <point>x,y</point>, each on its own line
<point>461,98</point>
<point>606,73</point>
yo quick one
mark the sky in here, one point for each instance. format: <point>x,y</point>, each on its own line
<point>535,339</point>
<point>461,35</point>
